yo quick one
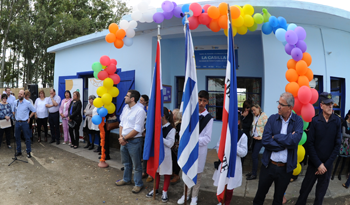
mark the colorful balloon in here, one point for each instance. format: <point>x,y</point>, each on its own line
<point>301,33</point>
<point>96,119</point>
<point>305,125</point>
<point>213,12</point>
<point>253,28</point>
<point>97,67</point>
<point>258,18</point>
<point>223,8</point>
<point>105,60</point>
<point>302,45</point>
<point>167,6</point>
<point>308,112</point>
<point>114,91</point>
<point>177,12</point>
<point>303,81</point>
<point>115,78</point>
<point>292,88</point>
<point>223,21</point>
<point>248,9</point>
<point>235,12</point>
<point>280,34</point>
<point>273,21</point>
<point>291,64</point>
<point>301,67</point>
<point>102,112</point>
<point>98,102</point>
<point>307,58</point>
<point>248,20</point>
<point>292,75</point>
<point>297,170</point>
<point>288,48</point>
<point>291,37</point>
<point>110,38</point>
<point>214,26</point>
<point>108,83</point>
<point>304,95</point>
<point>297,54</point>
<point>110,108</point>
<point>238,22</point>
<point>297,106</point>
<point>303,138</point>
<point>118,43</point>
<point>266,15</point>
<point>266,28</point>
<point>106,98</point>
<point>102,75</point>
<point>158,17</point>
<point>193,22</point>
<point>101,90</point>
<point>196,8</point>
<point>301,153</point>
<point>309,74</point>
<point>204,19</point>
<point>314,96</point>
<point>242,30</point>
<point>113,28</point>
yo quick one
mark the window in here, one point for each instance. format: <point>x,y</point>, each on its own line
<point>247,88</point>
<point>317,83</point>
<point>180,81</point>
<point>338,95</point>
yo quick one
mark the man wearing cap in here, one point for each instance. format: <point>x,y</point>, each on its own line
<point>323,144</point>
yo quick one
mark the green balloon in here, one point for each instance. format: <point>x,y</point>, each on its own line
<point>293,111</point>
<point>306,124</point>
<point>258,18</point>
<point>96,75</point>
<point>253,28</point>
<point>266,15</point>
<point>97,67</point>
<point>303,139</point>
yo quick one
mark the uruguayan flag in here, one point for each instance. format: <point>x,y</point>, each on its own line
<point>188,149</point>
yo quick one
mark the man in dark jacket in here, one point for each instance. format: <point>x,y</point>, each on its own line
<point>323,144</point>
<point>281,136</point>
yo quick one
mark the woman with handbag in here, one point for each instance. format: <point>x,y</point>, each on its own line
<point>65,103</point>
<point>88,123</point>
<point>259,122</point>
<point>74,119</point>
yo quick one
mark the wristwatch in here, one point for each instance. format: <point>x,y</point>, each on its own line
<point>124,138</point>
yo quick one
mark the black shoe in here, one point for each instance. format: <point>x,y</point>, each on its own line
<point>88,145</point>
<point>52,141</point>
<point>122,168</point>
<point>92,147</point>
<point>58,142</point>
<point>249,174</point>
<point>18,154</point>
<point>28,155</point>
<point>99,153</point>
<point>251,177</point>
<point>106,158</point>
<point>339,177</point>
<point>150,194</point>
<point>75,147</point>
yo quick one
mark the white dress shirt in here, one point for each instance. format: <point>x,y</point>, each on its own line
<point>41,109</point>
<point>281,156</point>
<point>53,109</point>
<point>132,119</point>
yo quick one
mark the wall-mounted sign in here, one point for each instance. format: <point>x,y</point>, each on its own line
<point>166,93</point>
<point>212,57</point>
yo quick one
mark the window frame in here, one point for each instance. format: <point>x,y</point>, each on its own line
<point>341,94</point>
<point>320,87</point>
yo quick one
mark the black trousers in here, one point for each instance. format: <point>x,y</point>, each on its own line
<point>54,121</point>
<point>41,122</point>
<point>281,179</point>
<point>74,134</point>
<point>107,141</point>
<point>176,168</point>
<point>308,183</point>
<point>7,132</point>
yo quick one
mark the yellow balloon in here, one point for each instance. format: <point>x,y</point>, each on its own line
<point>114,92</point>
<point>248,21</point>
<point>108,83</point>
<point>103,67</point>
<point>225,32</point>
<point>242,30</point>
<point>234,31</point>
<point>248,9</point>
<point>238,22</point>
<point>300,153</point>
<point>101,90</point>
<point>110,108</point>
<point>98,102</point>
<point>240,8</point>
<point>297,170</point>
<point>106,98</point>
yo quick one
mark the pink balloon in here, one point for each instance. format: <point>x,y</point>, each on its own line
<point>196,8</point>
<point>193,22</point>
<point>314,96</point>
<point>304,95</point>
<point>105,60</point>
<point>205,7</point>
<point>115,78</point>
<point>297,106</point>
<point>111,69</point>
<point>102,75</point>
<point>307,112</point>
<point>204,19</point>
<point>114,61</point>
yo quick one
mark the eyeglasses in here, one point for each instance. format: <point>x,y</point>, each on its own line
<point>283,105</point>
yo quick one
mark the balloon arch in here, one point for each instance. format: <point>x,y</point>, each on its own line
<point>215,18</point>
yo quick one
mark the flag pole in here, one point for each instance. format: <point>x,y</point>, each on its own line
<point>186,194</point>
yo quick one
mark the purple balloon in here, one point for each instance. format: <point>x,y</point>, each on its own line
<point>301,33</point>
<point>158,17</point>
<point>167,6</point>
<point>291,37</point>
<point>177,12</point>
<point>168,15</point>
<point>297,54</point>
<point>288,48</point>
<point>302,45</point>
<point>175,5</point>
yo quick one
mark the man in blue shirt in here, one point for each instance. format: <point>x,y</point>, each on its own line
<point>21,108</point>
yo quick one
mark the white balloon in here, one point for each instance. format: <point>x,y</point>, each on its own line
<point>136,15</point>
<point>124,24</point>
<point>142,6</point>
<point>148,17</point>
<point>128,41</point>
<point>130,33</point>
<point>132,24</point>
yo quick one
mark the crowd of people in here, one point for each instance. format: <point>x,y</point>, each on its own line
<point>276,137</point>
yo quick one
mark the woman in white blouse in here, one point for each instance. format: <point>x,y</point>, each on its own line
<point>41,114</point>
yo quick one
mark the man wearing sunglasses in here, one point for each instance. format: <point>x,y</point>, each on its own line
<point>323,144</point>
<point>281,137</point>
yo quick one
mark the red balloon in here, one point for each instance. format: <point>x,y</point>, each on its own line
<point>193,22</point>
<point>297,106</point>
<point>105,60</point>
<point>304,95</point>
<point>307,112</point>
<point>111,69</point>
<point>205,7</point>
<point>196,8</point>
<point>114,61</point>
<point>115,78</point>
<point>102,75</point>
<point>204,19</point>
<point>314,96</point>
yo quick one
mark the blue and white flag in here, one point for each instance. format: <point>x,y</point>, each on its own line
<point>187,157</point>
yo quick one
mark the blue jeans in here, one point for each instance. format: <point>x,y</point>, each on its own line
<point>131,156</point>
<point>347,183</point>
<point>255,156</point>
<point>24,127</point>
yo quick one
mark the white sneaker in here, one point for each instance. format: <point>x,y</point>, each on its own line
<point>165,197</point>
<point>194,201</point>
<point>182,200</point>
<point>70,144</point>
<point>64,143</point>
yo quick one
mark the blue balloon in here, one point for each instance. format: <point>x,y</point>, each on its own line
<point>266,28</point>
<point>98,109</point>
<point>185,8</point>
<point>284,43</point>
<point>282,22</point>
<point>128,41</point>
<point>274,29</point>
<point>280,34</point>
<point>103,112</point>
<point>183,20</point>
<point>291,26</point>
<point>203,11</point>
<point>273,21</point>
<point>96,119</point>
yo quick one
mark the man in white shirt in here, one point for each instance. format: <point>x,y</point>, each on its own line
<point>130,138</point>
<point>53,105</point>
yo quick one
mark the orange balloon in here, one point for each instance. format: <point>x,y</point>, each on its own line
<point>309,74</point>
<point>301,67</point>
<point>214,26</point>
<point>119,43</point>
<point>110,38</point>
<point>291,64</point>
<point>213,12</point>
<point>292,75</point>
<point>223,22</point>
<point>292,88</point>
<point>307,58</point>
<point>223,8</point>
<point>235,12</point>
<point>113,28</point>
<point>303,81</point>
<point>238,22</point>
<point>120,34</point>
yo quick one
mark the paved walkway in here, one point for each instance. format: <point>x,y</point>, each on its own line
<point>248,188</point>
